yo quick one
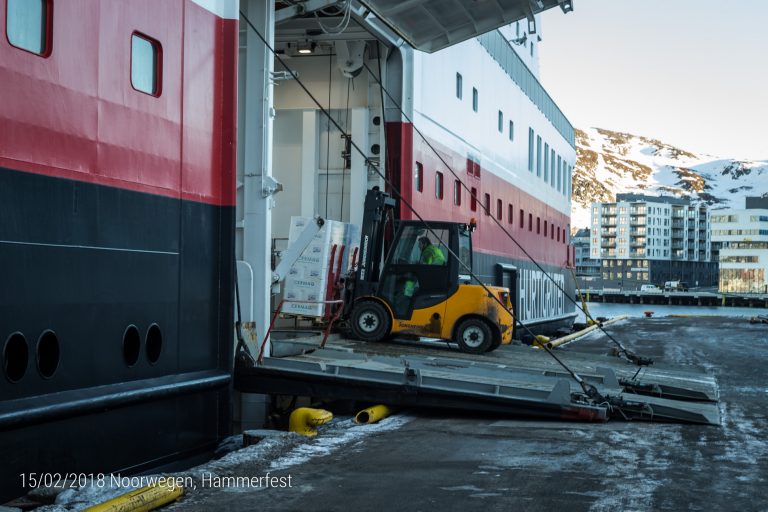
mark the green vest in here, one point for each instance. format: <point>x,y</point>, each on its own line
<point>432,255</point>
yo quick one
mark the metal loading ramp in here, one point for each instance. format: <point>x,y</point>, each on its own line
<point>514,380</point>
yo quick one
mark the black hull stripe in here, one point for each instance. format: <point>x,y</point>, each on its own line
<point>19,413</point>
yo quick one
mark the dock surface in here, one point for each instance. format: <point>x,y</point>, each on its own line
<point>438,461</point>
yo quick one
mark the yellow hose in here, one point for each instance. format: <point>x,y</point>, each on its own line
<point>373,414</point>
<point>540,341</point>
<point>142,500</point>
<point>305,420</point>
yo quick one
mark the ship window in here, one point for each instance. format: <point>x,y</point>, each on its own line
<point>439,185</point>
<point>522,219</point>
<point>15,357</point>
<point>538,225</point>
<point>545,228</point>
<point>531,48</point>
<point>131,345</point>
<point>510,213</point>
<point>558,233</point>
<point>552,231</point>
<point>538,156</point>
<point>552,168</point>
<point>546,163</point>
<point>154,345</point>
<point>475,99</point>
<point>145,64</point>
<point>28,25</point>
<point>499,209</point>
<point>459,85</point>
<point>457,193</point>
<point>501,121</point>
<point>487,204</point>
<point>511,130</point>
<point>530,222</point>
<point>530,149</point>
<point>48,353</point>
<point>473,201</point>
<point>418,177</point>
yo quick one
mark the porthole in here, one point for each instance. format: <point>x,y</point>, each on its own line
<point>15,357</point>
<point>131,345</point>
<point>48,354</point>
<point>376,121</point>
<point>375,149</point>
<point>154,343</point>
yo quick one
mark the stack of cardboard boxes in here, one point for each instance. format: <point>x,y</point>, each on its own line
<point>307,280</point>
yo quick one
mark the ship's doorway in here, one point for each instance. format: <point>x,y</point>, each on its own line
<point>506,276</point>
<point>321,173</point>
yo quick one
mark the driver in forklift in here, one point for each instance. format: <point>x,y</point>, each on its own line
<point>430,254</point>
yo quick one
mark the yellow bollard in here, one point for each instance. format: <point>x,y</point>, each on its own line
<point>373,414</point>
<point>305,420</point>
<point>142,500</point>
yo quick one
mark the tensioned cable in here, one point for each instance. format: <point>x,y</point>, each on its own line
<point>344,162</point>
<point>328,134</point>
<point>588,389</point>
<point>640,361</point>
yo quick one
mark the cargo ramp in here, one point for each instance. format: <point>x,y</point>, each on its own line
<point>514,380</point>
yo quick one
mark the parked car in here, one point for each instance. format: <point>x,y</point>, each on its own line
<point>650,288</point>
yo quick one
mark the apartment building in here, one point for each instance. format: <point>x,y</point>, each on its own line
<point>642,239</point>
<point>587,268</point>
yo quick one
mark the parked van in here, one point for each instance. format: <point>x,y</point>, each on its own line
<point>675,286</point>
<point>650,288</point>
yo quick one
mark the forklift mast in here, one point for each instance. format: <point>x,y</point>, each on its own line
<point>377,205</point>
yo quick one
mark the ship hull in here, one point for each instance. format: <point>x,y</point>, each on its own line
<point>88,263</point>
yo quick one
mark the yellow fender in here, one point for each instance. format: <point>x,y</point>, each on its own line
<point>541,341</point>
<point>305,420</point>
<point>141,500</point>
<point>373,414</point>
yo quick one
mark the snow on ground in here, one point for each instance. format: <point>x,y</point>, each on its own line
<point>278,451</point>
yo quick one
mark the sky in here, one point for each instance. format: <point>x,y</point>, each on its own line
<point>691,73</point>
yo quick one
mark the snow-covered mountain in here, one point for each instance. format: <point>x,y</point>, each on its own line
<point>610,162</point>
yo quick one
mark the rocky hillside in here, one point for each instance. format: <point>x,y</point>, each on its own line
<point>610,162</point>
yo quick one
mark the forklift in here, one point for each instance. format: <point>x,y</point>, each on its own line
<point>422,290</point>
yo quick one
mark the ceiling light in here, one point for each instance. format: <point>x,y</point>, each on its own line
<point>306,47</point>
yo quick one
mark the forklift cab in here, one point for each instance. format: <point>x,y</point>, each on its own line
<point>419,271</point>
<point>423,288</point>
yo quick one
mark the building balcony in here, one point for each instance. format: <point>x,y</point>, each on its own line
<point>637,221</point>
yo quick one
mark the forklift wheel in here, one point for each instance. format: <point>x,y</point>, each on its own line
<point>474,336</point>
<point>370,321</point>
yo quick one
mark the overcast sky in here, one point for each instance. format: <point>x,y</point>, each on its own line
<point>692,73</point>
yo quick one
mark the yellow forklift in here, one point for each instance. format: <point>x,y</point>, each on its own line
<point>423,288</point>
